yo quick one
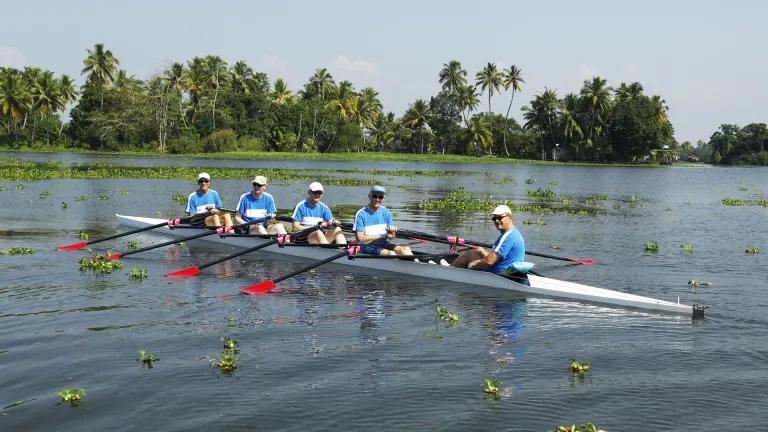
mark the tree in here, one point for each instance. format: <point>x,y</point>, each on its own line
<point>216,71</point>
<point>15,99</point>
<point>596,97</point>
<point>511,78</point>
<point>634,130</point>
<point>569,121</point>
<point>543,110</point>
<point>281,94</point>
<point>368,109</point>
<point>416,118</point>
<point>489,79</point>
<point>100,65</point>
<point>479,134</point>
<point>467,100</point>
<point>176,77</point>
<point>241,76</point>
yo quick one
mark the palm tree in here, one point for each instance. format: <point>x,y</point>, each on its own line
<point>569,120</point>
<point>195,82</point>
<point>242,77</point>
<point>281,94</point>
<point>479,134</point>
<point>512,78</point>
<point>344,102</point>
<point>176,79</point>
<point>320,83</point>
<point>15,99</point>
<point>661,108</point>
<point>597,98</point>
<point>452,76</point>
<point>489,79</point>
<point>100,65</point>
<point>46,98</point>
<point>68,93</point>
<point>539,116</point>
<point>626,92</point>
<point>467,98</point>
<point>417,117</point>
<point>216,69</point>
<point>368,109</point>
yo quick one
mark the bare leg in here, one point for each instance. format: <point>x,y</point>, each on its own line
<point>317,237</point>
<point>335,235</point>
<point>403,250</point>
<point>227,219</point>
<point>257,229</point>
<point>213,220</point>
<point>464,259</point>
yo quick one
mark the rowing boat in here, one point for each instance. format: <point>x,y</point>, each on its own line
<point>538,285</point>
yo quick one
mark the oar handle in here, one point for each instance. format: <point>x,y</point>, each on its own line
<point>147,228</point>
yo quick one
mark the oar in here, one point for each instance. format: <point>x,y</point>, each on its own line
<point>170,222</point>
<point>266,286</point>
<point>195,270</point>
<point>218,230</point>
<point>458,241</point>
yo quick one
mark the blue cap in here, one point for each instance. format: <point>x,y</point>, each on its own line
<point>379,189</point>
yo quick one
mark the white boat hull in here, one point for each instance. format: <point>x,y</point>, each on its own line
<point>539,286</point>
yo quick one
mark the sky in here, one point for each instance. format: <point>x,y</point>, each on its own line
<point>707,59</point>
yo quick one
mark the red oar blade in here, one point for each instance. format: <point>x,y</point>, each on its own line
<point>187,272</point>
<point>73,247</point>
<point>259,288</point>
<point>114,257</point>
<point>581,261</point>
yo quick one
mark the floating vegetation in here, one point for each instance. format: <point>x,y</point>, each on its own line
<point>17,251</point>
<point>552,183</point>
<point>585,427</point>
<point>540,193</point>
<point>732,202</point>
<point>589,201</point>
<point>651,247</point>
<point>492,388</point>
<point>687,248</point>
<point>743,189</point>
<point>72,397</point>
<point>181,244</point>
<point>64,205</point>
<point>579,368</point>
<point>100,264</point>
<point>45,195</point>
<point>138,274</point>
<point>20,187</point>
<point>538,222</point>
<point>134,244</point>
<point>693,283</point>
<point>81,198</point>
<point>462,201</point>
<point>449,318</point>
<point>123,191</point>
<point>600,197</point>
<point>752,250</point>
<point>2,188</point>
<point>82,235</point>
<point>616,206</point>
<point>146,359</point>
<point>18,403</point>
<point>566,201</point>
<point>530,181</point>
<point>228,358</point>
<point>179,198</point>
<point>102,197</point>
<point>229,344</point>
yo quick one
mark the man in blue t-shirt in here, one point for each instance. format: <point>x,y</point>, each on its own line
<point>508,248</point>
<point>373,227</point>
<point>311,212</point>
<point>206,200</point>
<point>258,204</point>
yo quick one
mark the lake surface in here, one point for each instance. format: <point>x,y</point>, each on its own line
<point>345,349</point>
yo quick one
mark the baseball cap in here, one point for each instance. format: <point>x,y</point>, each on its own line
<point>379,189</point>
<point>501,210</point>
<point>204,175</point>
<point>316,187</point>
<point>260,180</point>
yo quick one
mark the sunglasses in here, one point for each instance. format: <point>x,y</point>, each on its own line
<point>316,192</point>
<point>257,185</point>
<point>378,196</point>
<point>497,218</point>
<point>203,181</point>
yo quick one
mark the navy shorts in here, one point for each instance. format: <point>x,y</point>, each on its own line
<point>376,247</point>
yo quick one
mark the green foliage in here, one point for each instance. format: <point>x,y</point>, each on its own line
<point>222,140</point>
<point>687,248</point>
<point>138,274</point>
<point>81,198</point>
<point>585,427</point>
<point>100,264</point>
<point>17,251</point>
<point>636,126</point>
<point>146,359</point>
<point>102,197</point>
<point>492,388</point>
<point>64,205</point>
<point>731,144</point>
<point>579,368</point>
<point>134,244</point>
<point>651,247</point>
<point>530,181</point>
<point>72,396</point>
<point>733,202</point>
<point>82,235</point>
<point>694,283</point>
<point>229,344</point>
<point>752,250</point>
<point>45,195</point>
<point>540,193</point>
<point>600,197</point>
<point>451,319</point>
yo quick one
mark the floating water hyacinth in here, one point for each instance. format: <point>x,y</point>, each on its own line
<point>100,264</point>
<point>146,358</point>
<point>734,202</point>
<point>81,198</point>
<point>530,181</point>
<point>82,235</point>
<point>687,248</point>
<point>752,250</point>
<point>443,314</point>
<point>579,368</point>
<point>227,362</point>
<point>585,427</point>
<point>693,283</point>
<point>138,274</point>
<point>134,244</point>
<point>540,193</point>
<point>64,205</point>
<point>651,247</point>
<point>102,197</point>
<point>45,195</point>
<point>17,251</point>
<point>72,397</point>
<point>179,198</point>
<point>492,388</point>
<point>229,344</point>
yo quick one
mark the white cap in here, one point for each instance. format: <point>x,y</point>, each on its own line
<point>260,180</point>
<point>315,187</point>
<point>501,210</point>
<point>204,175</point>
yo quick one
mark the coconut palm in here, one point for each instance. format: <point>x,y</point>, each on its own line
<point>195,82</point>
<point>216,70</point>
<point>15,100</point>
<point>101,66</point>
<point>242,77</point>
<point>46,98</point>
<point>452,76</point>
<point>596,96</point>
<point>368,109</point>
<point>467,99</point>
<point>68,93</point>
<point>281,94</point>
<point>416,118</point>
<point>626,92</point>
<point>489,79</point>
<point>661,108</point>
<point>544,108</point>
<point>512,78</point>
<point>320,84</point>
<point>344,101</point>
<point>175,75</point>
<point>479,134</point>
<point>569,121</point>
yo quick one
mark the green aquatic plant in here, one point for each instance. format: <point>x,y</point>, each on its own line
<point>102,197</point>
<point>81,198</point>
<point>82,235</point>
<point>760,201</point>
<point>651,247</point>
<point>616,206</point>
<point>752,250</point>
<point>100,264</point>
<point>138,274</point>
<point>579,368</point>
<point>134,244</point>
<point>146,358</point>
<point>538,222</point>
<point>687,248</point>
<point>2,188</point>
<point>64,205</point>
<point>72,396</point>
<point>743,188</point>
<point>179,198</point>
<point>566,201</point>
<point>530,181</point>
<point>733,202</point>
<point>227,362</point>
<point>17,251</point>
<point>450,318</point>
<point>123,191</point>
<point>693,283</point>
<point>552,183</point>
<point>45,195</point>
<point>540,193</point>
<point>600,197</point>
<point>585,427</point>
<point>229,344</point>
<point>492,388</point>
<point>20,187</point>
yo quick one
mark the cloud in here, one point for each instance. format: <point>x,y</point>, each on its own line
<point>345,65</point>
<point>586,72</point>
<point>12,57</point>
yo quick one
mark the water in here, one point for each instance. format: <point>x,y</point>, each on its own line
<point>354,350</point>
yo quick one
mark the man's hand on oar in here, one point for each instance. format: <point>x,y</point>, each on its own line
<point>266,286</point>
<point>170,223</point>
<point>195,270</point>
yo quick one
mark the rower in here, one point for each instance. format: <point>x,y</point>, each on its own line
<point>508,248</point>
<point>374,229</point>
<point>258,204</point>
<point>206,200</point>
<point>311,212</point>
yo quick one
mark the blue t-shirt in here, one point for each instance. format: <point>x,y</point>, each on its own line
<point>251,208</point>
<point>196,203</point>
<point>308,215</point>
<point>370,223</point>
<point>511,248</point>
